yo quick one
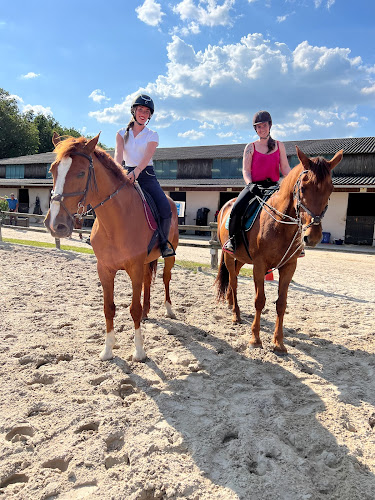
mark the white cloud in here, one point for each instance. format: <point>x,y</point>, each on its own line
<point>206,125</point>
<point>224,134</point>
<point>211,14</point>
<point>98,95</point>
<point>16,97</point>
<point>30,75</point>
<point>328,4</point>
<point>193,135</point>
<point>368,90</point>
<point>38,109</point>
<point>352,124</point>
<point>223,85</point>
<point>150,12</point>
<point>323,124</point>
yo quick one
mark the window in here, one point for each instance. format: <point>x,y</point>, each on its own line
<point>15,172</point>
<point>227,168</point>
<point>165,169</point>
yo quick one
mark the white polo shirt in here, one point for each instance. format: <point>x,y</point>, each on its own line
<point>135,147</point>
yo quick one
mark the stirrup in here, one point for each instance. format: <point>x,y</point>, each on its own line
<point>228,246</point>
<point>167,251</point>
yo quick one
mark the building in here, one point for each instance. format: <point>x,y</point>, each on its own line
<point>208,176</point>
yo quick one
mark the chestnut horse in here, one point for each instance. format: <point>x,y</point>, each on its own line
<point>85,174</point>
<point>275,240</point>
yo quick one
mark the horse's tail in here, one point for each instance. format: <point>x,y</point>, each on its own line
<point>222,280</point>
<point>150,271</point>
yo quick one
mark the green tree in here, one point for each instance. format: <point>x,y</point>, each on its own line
<point>18,135</point>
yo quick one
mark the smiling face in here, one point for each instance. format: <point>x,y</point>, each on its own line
<point>142,114</point>
<point>263,129</point>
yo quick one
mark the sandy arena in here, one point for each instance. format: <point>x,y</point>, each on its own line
<point>204,418</point>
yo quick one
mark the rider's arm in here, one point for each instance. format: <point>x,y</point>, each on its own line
<point>119,151</point>
<point>246,162</point>
<point>284,165</point>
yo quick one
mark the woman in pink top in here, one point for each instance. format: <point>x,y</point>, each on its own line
<point>263,160</point>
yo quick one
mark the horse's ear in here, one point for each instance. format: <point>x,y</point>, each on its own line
<point>303,158</point>
<point>90,146</point>
<point>56,138</point>
<point>336,159</point>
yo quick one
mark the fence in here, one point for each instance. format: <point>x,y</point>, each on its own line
<point>213,244</point>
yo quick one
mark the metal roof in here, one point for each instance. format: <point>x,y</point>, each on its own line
<point>338,181</point>
<point>350,145</point>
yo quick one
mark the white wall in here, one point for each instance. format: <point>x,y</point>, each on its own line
<point>335,218</point>
<point>195,200</point>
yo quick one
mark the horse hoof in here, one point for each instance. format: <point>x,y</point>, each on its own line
<point>139,359</point>
<point>236,321</point>
<point>171,316</point>
<point>106,355</point>
<point>280,350</point>
<point>255,345</point>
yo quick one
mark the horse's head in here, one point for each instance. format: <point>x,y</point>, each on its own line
<point>72,172</point>
<point>312,191</point>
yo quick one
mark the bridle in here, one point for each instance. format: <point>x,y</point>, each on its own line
<point>315,219</point>
<point>287,219</point>
<point>59,198</point>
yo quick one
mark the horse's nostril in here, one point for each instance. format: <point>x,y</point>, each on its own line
<point>305,239</point>
<point>61,227</point>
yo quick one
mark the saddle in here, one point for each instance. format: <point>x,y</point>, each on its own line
<point>253,209</point>
<point>151,214</point>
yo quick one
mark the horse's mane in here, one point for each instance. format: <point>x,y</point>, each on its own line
<point>318,171</point>
<point>109,163</point>
<point>74,144</point>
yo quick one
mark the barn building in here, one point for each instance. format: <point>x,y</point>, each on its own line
<point>203,178</point>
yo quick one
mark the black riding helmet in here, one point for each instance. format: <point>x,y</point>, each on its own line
<point>142,100</point>
<point>261,117</point>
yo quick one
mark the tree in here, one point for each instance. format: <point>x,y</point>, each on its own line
<point>18,136</point>
<point>27,133</point>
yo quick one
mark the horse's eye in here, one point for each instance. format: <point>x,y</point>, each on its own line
<point>302,190</point>
<point>81,174</point>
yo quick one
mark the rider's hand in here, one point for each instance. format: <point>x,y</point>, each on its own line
<point>133,175</point>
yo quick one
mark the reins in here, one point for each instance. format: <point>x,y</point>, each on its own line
<point>59,198</point>
<point>315,219</point>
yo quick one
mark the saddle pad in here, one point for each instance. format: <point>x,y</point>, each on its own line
<point>148,205</point>
<point>253,209</point>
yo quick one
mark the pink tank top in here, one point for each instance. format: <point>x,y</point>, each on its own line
<point>265,166</point>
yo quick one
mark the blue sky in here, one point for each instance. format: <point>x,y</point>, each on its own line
<point>208,64</point>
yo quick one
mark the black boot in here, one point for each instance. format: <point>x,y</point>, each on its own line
<point>166,251</point>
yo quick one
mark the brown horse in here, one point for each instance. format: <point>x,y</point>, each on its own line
<point>85,174</point>
<point>275,240</point>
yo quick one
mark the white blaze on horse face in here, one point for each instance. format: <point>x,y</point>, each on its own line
<point>62,170</point>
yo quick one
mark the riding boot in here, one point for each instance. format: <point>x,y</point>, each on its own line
<point>166,251</point>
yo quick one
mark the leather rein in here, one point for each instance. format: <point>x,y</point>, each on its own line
<point>59,198</point>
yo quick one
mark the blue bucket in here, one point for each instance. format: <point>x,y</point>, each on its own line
<point>326,237</point>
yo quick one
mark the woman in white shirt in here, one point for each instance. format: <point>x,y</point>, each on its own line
<point>135,147</point>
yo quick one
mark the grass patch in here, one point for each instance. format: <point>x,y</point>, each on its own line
<point>185,264</point>
<point>44,244</point>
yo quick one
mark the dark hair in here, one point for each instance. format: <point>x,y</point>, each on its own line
<point>129,126</point>
<point>271,143</point>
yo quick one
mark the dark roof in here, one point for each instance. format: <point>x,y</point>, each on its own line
<point>338,181</point>
<point>353,180</point>
<point>350,145</point>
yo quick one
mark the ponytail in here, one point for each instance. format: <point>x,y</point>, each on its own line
<point>271,144</point>
<point>129,126</point>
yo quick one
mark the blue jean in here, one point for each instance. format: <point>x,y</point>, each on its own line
<point>148,182</point>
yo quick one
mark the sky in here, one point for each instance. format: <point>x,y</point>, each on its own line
<point>209,65</point>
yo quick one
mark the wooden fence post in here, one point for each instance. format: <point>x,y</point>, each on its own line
<point>57,243</point>
<point>214,245</point>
